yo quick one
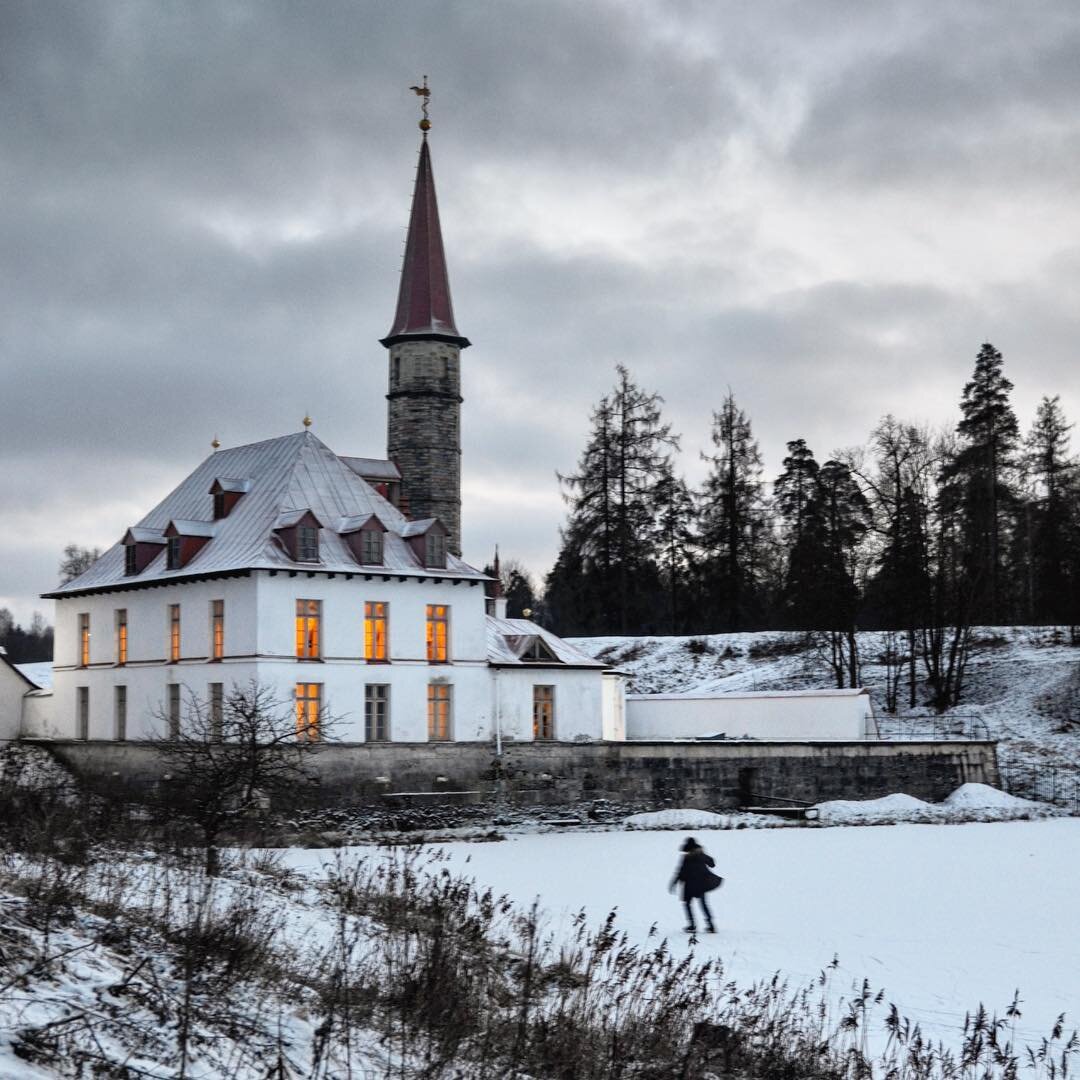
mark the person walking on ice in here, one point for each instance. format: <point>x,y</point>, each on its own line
<point>695,873</point>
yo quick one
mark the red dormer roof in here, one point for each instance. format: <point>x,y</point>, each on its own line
<point>424,311</point>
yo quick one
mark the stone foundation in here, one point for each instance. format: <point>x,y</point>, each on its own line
<point>700,775</point>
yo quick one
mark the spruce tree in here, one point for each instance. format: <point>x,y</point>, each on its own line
<point>979,482</point>
<point>732,521</point>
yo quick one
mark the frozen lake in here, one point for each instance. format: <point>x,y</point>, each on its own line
<point>941,917</point>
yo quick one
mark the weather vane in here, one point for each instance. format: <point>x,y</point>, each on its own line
<point>424,93</point>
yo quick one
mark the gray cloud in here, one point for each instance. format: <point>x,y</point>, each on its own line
<point>202,209</point>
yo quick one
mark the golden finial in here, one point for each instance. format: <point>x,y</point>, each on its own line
<point>424,93</point>
<point>307,420</point>
<point>214,443</point>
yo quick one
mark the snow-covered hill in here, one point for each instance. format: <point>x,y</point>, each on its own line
<point>1022,682</point>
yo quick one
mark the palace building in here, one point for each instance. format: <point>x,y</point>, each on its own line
<point>335,581</point>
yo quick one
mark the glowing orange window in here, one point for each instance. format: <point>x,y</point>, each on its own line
<point>174,633</point>
<point>217,629</point>
<point>121,635</point>
<point>84,639</point>
<point>375,614</point>
<point>308,619</point>
<point>438,626</point>
<point>308,711</point>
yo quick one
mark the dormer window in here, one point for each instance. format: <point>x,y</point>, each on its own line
<point>371,547</point>
<point>307,543</point>
<point>142,545</point>
<point>427,538</point>
<point>435,549</point>
<point>298,531</point>
<point>227,492</point>
<point>184,540</point>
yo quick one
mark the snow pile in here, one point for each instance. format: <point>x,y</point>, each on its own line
<point>984,797</point>
<point>891,808</point>
<point>25,766</point>
<point>677,819</point>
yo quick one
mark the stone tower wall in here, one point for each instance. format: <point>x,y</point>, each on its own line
<point>424,430</point>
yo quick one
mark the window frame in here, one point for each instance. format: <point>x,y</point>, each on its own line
<point>173,553</point>
<point>120,713</point>
<point>543,703</point>
<point>304,622</point>
<point>84,639</point>
<point>372,721</point>
<point>173,709</point>
<point>307,543</point>
<point>373,654</point>
<point>216,710</point>
<point>174,632</point>
<point>82,713</point>
<point>438,616</point>
<point>440,700</point>
<point>307,718</point>
<point>217,629</point>
<point>131,560</point>
<point>121,627</point>
<point>434,550</point>
<point>372,547</point>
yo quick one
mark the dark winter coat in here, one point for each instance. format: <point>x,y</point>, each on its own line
<point>695,874</point>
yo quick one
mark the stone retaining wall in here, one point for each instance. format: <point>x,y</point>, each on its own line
<point>701,775</point>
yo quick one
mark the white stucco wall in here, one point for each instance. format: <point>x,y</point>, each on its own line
<point>614,707</point>
<point>260,644</point>
<point>809,715</point>
<point>578,701</point>
<point>13,689</point>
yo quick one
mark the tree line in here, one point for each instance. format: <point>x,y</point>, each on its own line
<point>919,533</point>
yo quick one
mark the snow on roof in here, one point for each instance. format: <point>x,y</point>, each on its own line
<point>356,522</point>
<point>720,695</point>
<point>418,528</point>
<point>228,483</point>
<point>140,535</point>
<point>291,471</point>
<point>189,527</point>
<point>40,673</point>
<point>504,645</point>
<point>369,468</point>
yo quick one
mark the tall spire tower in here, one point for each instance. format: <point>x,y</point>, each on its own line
<point>424,411</point>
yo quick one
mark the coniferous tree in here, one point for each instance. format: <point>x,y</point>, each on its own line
<point>1050,529</point>
<point>612,501</point>
<point>732,523</point>
<point>978,482</point>
<point>675,541</point>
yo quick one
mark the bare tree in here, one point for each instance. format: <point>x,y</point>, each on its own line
<point>76,561</point>
<point>233,758</point>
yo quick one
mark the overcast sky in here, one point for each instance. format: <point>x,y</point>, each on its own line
<point>825,206</point>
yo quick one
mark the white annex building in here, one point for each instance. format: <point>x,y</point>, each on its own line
<point>336,582</point>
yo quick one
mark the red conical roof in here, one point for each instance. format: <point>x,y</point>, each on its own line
<point>424,310</point>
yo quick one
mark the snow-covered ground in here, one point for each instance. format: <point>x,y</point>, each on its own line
<point>1022,682</point>
<point>939,917</point>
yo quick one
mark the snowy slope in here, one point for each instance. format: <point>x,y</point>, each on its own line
<point>1022,682</point>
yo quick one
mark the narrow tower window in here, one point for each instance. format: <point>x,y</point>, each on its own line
<point>217,710</point>
<point>84,639</point>
<point>121,636</point>
<point>308,709</point>
<point>174,710</point>
<point>174,633</point>
<point>121,713</point>
<point>217,629</point>
<point>82,712</point>
<point>438,711</point>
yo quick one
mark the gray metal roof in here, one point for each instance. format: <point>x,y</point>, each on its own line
<point>291,473</point>
<point>508,638</point>
<point>373,468</point>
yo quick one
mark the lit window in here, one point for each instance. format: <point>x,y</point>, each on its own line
<point>84,639</point>
<point>217,710</point>
<point>131,560</point>
<point>121,713</point>
<point>376,712</point>
<point>375,631</point>
<point>307,543</point>
<point>308,617</point>
<point>438,624</point>
<point>82,712</point>
<point>174,633</point>
<point>543,712</point>
<point>434,549</point>
<point>217,629</point>
<point>438,711</point>
<point>174,710</point>
<point>121,635</point>
<point>371,547</point>
<point>172,555</point>
<point>308,709</point>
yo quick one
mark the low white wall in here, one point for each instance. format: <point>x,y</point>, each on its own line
<point>827,714</point>
<point>614,697</point>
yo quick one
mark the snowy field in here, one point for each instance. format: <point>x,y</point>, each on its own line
<point>940,917</point>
